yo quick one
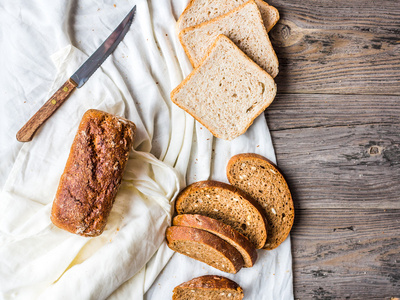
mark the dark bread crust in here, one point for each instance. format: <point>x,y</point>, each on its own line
<point>93,173</point>
<point>282,207</point>
<point>211,283</point>
<point>212,184</point>
<point>222,230</point>
<point>175,234</point>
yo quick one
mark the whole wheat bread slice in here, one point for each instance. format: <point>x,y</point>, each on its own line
<point>261,179</point>
<point>199,11</point>
<point>222,230</point>
<point>226,92</point>
<point>205,247</point>
<point>244,26</point>
<point>208,287</point>
<point>226,203</point>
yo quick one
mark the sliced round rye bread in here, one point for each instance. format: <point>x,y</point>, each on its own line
<point>205,247</point>
<point>208,287</point>
<point>222,230</point>
<point>228,204</point>
<point>261,179</point>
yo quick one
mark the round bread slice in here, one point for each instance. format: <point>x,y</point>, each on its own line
<point>222,230</point>
<point>208,287</point>
<point>228,204</point>
<point>261,179</point>
<point>205,247</point>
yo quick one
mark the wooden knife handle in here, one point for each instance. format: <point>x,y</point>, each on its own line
<point>26,133</point>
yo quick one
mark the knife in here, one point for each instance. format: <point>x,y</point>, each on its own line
<point>77,80</point>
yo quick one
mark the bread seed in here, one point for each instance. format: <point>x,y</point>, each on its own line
<point>253,168</point>
<point>240,177</point>
<point>273,210</point>
<point>208,196</point>
<point>243,165</point>
<point>229,294</point>
<point>215,209</point>
<point>272,171</point>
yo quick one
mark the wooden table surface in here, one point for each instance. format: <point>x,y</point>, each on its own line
<point>335,125</point>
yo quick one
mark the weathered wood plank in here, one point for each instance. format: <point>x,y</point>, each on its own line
<point>346,254</point>
<point>338,151</point>
<point>297,111</point>
<point>346,47</point>
<point>342,166</point>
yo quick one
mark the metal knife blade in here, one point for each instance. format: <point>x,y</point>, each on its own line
<point>100,55</point>
<point>77,80</point>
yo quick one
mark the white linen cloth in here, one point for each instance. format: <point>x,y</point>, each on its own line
<point>42,44</point>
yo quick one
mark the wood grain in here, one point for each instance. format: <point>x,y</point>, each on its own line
<point>338,151</point>
<point>346,254</point>
<point>338,47</point>
<point>304,111</point>
<point>26,133</point>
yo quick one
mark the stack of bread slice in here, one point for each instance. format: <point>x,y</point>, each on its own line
<point>223,224</point>
<point>234,63</point>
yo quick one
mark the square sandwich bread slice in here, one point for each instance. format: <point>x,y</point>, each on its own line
<point>199,11</point>
<point>227,90</point>
<point>244,26</point>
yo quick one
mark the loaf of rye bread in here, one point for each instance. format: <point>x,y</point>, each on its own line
<point>208,287</point>
<point>262,180</point>
<point>93,173</point>
<point>222,230</point>
<point>205,247</point>
<point>226,203</point>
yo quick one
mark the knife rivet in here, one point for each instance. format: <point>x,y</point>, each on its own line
<point>65,89</point>
<point>53,101</point>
